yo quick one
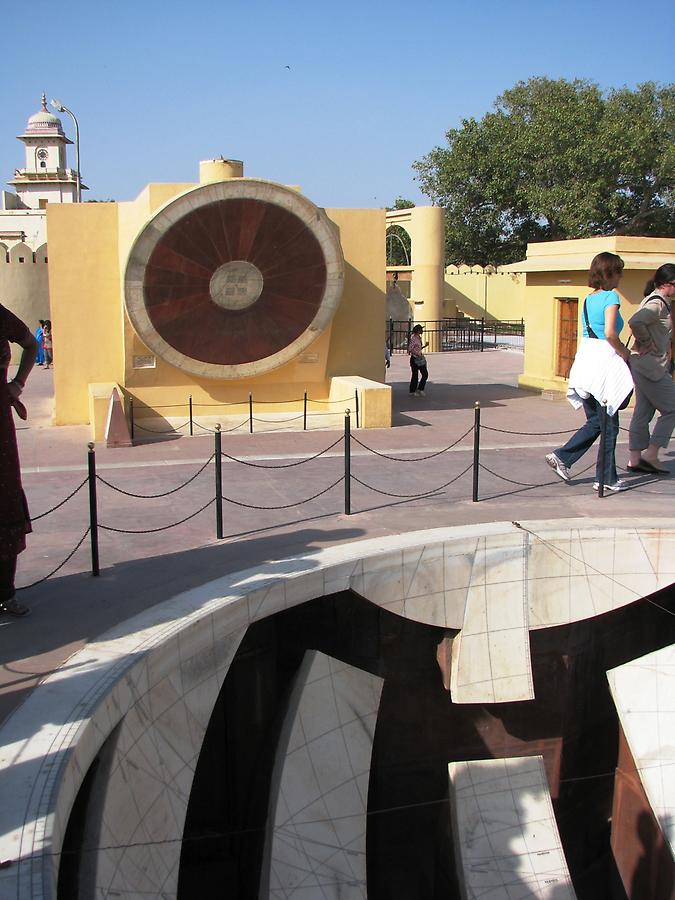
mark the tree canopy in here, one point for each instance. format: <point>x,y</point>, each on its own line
<point>556,159</point>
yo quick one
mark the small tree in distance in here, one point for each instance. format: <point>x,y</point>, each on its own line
<point>398,239</point>
<point>556,159</point>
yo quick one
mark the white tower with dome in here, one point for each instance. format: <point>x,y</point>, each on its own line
<point>45,179</point>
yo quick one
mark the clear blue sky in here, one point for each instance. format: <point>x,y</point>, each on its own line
<point>372,86</point>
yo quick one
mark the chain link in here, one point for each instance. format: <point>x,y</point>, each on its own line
<point>417,495</point>
<point>527,433</point>
<point>60,565</point>
<point>283,465</point>
<point>62,503</point>
<point>286,505</point>
<point>154,496</point>
<point>167,431</point>
<point>161,528</point>
<point>416,458</point>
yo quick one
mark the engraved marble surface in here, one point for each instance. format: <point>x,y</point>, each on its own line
<point>235,278</point>
<point>547,573</point>
<point>505,831</point>
<point>644,694</point>
<point>317,846</point>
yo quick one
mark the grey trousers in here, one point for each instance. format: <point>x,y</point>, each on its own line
<point>650,397</point>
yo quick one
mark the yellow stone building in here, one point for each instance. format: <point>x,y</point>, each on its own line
<point>125,282</point>
<point>555,287</point>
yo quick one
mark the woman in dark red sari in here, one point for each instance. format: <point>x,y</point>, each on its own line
<point>14,517</point>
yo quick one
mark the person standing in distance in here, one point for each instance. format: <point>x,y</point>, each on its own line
<point>418,362</point>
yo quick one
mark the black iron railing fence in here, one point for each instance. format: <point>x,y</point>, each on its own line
<point>445,335</point>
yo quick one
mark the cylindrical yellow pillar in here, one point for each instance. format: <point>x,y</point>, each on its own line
<point>211,170</point>
<point>428,259</point>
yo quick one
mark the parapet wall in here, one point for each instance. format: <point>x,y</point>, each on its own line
<point>24,283</point>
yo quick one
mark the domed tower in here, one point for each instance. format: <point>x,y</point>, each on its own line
<point>46,178</point>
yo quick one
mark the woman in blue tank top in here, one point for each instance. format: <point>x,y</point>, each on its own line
<point>602,320</point>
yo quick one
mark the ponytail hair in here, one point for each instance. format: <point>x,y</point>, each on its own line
<point>663,275</point>
<point>649,288</point>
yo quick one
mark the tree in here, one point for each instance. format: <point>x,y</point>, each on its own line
<point>398,239</point>
<point>556,159</point>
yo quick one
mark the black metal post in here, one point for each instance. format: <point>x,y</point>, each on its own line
<point>348,465</point>
<point>476,449</point>
<point>482,334</point>
<point>250,413</point>
<point>391,334</point>
<point>601,451</point>
<point>356,401</point>
<point>131,418</point>
<point>93,512</point>
<point>304,413</point>
<point>191,431</point>
<point>218,459</point>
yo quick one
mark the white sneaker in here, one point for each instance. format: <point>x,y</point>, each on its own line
<point>559,466</point>
<point>616,487</point>
<point>421,393</point>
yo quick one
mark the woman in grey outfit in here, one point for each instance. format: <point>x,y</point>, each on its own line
<point>651,365</point>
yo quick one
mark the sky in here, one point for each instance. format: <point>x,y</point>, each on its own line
<point>340,98</point>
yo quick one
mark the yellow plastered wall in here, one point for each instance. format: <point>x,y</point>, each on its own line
<point>357,343</point>
<point>425,225</point>
<point>545,284</point>
<point>89,246</point>
<point>84,291</point>
<point>477,295</point>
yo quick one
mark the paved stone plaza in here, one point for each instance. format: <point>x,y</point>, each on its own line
<point>138,570</point>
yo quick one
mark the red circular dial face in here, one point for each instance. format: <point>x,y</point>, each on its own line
<point>236,280</point>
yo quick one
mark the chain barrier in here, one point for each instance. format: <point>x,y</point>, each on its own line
<point>418,494</point>
<point>285,505</point>
<point>175,490</point>
<point>60,565</point>
<point>59,505</point>
<point>346,478</point>
<point>415,458</point>
<point>278,421</point>
<point>223,430</point>
<point>299,462</point>
<point>161,528</point>
<point>164,431</point>
<point>530,433</point>
<point>533,484</point>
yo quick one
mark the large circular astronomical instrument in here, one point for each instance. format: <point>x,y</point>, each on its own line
<point>234,279</point>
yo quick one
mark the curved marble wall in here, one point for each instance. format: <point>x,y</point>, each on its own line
<point>160,672</point>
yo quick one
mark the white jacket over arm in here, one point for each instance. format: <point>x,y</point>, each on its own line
<point>598,371</point>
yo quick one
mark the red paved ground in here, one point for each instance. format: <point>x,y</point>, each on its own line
<point>138,570</point>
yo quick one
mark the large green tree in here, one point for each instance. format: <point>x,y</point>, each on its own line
<point>556,159</point>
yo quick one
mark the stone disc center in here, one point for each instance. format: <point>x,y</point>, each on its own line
<point>236,284</point>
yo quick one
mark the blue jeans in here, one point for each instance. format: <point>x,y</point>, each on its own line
<point>586,436</point>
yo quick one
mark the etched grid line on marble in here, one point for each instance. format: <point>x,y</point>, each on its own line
<point>512,778</point>
<point>656,762</point>
<point>319,849</point>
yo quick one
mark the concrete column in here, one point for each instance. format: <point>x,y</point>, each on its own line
<point>211,170</point>
<point>428,259</point>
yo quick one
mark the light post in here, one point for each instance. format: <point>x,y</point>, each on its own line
<point>59,107</point>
